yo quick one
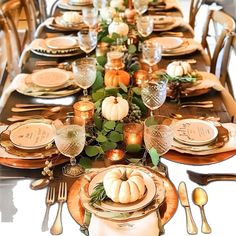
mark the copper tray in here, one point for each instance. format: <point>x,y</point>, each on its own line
<point>31,164</point>
<point>167,209</point>
<point>189,159</point>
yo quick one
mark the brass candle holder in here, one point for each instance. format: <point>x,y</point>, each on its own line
<point>85,110</point>
<point>114,157</point>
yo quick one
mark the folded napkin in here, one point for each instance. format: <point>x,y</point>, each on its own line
<point>148,225</point>
<point>229,146</point>
<point>15,83</point>
<point>40,28</point>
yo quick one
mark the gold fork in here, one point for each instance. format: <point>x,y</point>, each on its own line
<point>62,197</point>
<point>50,199</point>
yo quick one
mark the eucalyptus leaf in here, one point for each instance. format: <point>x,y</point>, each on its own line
<point>91,151</point>
<point>132,49</point>
<point>119,128</point>
<point>85,162</point>
<point>101,138</point>
<point>154,156</point>
<point>123,87</point>
<point>99,94</point>
<point>133,148</point>
<point>98,121</point>
<point>111,91</point>
<point>138,101</point>
<point>134,67</point>
<point>102,60</point>
<point>137,90</point>
<point>98,83</point>
<point>107,39</point>
<point>108,146</point>
<point>110,125</point>
<point>115,136</point>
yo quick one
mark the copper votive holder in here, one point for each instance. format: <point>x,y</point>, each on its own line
<point>140,78</point>
<point>133,133</point>
<point>114,60</point>
<point>85,110</point>
<point>114,157</point>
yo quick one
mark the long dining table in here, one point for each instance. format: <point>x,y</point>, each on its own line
<point>22,209</point>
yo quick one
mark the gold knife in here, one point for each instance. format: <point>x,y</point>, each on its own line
<point>183,196</point>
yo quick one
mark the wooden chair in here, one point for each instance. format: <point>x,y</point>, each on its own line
<point>222,24</point>
<point>12,10</point>
<point>194,8</point>
<point>228,58</point>
<point>11,44</point>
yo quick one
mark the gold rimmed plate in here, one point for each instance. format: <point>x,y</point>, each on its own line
<point>109,205</point>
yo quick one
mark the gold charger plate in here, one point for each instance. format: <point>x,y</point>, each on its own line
<point>109,205</point>
<point>77,211</point>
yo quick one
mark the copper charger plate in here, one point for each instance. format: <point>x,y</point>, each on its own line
<point>189,159</point>
<point>167,209</point>
<point>31,164</point>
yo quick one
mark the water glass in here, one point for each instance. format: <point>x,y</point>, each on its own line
<point>70,141</point>
<point>140,6</point>
<point>87,41</point>
<point>153,94</point>
<point>99,4</point>
<point>145,25</point>
<point>158,133</point>
<point>90,16</point>
<point>151,52</point>
<point>84,71</point>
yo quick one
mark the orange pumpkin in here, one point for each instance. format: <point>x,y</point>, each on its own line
<point>112,78</point>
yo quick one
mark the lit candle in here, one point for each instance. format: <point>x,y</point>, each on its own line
<point>114,156</point>
<point>140,78</point>
<point>133,133</point>
<point>85,110</point>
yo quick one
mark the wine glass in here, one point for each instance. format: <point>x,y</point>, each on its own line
<point>99,4</point>
<point>158,133</point>
<point>153,93</point>
<point>87,41</point>
<point>151,52</point>
<point>70,141</point>
<point>140,6</point>
<point>145,25</point>
<point>90,16</point>
<point>84,71</point>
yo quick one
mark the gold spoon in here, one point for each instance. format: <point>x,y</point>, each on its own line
<point>200,199</point>
<point>52,109</point>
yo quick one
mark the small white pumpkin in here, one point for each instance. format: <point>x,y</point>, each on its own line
<point>115,108</point>
<point>107,13</point>
<point>124,185</point>
<point>178,68</point>
<point>118,27</point>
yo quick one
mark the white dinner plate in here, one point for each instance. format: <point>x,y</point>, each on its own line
<point>61,42</point>
<point>32,135</point>
<point>168,43</point>
<point>50,78</point>
<point>128,207</point>
<point>194,132</point>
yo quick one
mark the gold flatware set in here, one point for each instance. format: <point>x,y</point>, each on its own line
<point>57,227</point>
<point>200,198</point>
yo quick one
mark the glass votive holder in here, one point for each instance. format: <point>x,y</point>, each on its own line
<point>133,133</point>
<point>114,60</point>
<point>140,78</point>
<point>114,157</point>
<point>85,110</point>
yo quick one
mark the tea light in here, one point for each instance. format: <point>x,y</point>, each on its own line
<point>133,133</point>
<point>114,156</point>
<point>141,77</point>
<point>85,110</point>
<point>114,60</point>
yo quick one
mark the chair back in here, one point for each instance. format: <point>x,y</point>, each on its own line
<point>222,24</point>
<point>194,8</point>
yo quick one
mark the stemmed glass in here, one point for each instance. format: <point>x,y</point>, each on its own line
<point>158,133</point>
<point>87,41</point>
<point>153,93</point>
<point>140,6</point>
<point>70,141</point>
<point>99,4</point>
<point>145,25</point>
<point>151,52</point>
<point>84,71</point>
<point>90,16</point>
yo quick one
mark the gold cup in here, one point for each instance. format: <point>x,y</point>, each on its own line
<point>85,110</point>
